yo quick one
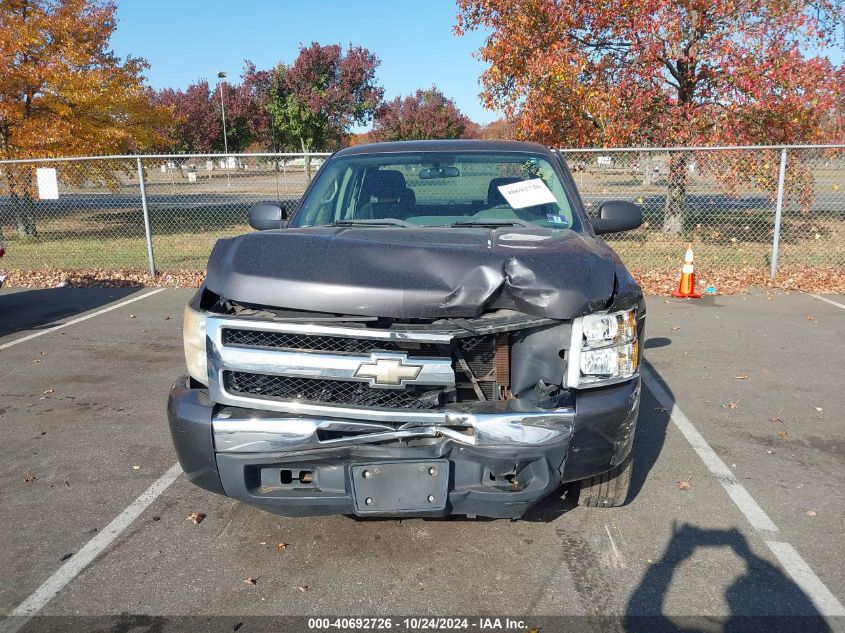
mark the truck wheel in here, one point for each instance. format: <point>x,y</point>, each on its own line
<point>608,490</point>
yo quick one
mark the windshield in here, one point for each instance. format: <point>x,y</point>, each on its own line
<point>438,190</point>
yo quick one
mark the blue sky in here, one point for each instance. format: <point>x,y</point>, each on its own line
<point>187,40</point>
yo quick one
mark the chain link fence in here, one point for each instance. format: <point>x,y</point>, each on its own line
<point>724,201</point>
<point>89,213</point>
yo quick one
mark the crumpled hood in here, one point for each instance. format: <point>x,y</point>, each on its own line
<point>417,273</point>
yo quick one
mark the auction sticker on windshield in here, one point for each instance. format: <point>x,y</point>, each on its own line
<point>527,193</point>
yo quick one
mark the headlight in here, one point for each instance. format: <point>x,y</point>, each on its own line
<point>193,337</point>
<point>604,349</point>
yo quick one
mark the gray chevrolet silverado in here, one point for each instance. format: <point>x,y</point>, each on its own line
<point>435,330</point>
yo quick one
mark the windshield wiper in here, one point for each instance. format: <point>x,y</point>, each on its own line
<point>376,222</point>
<point>493,222</point>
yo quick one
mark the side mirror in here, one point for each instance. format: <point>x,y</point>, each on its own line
<point>264,216</point>
<point>615,216</point>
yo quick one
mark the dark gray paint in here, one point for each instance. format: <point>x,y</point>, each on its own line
<point>189,413</point>
<point>420,273</point>
<point>538,354</point>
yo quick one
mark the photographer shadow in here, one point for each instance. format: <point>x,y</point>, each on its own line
<point>762,599</point>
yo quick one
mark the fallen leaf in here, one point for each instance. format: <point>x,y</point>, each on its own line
<point>132,316</point>
<point>29,477</point>
<point>811,513</point>
<point>810,317</point>
<point>685,484</point>
<point>49,391</point>
<point>281,547</point>
<point>303,588</point>
<point>136,468</point>
<point>195,517</point>
<point>741,377</point>
<point>819,409</point>
<point>775,420</point>
<point>249,580</point>
<point>782,434</point>
<point>676,327</point>
<point>730,405</point>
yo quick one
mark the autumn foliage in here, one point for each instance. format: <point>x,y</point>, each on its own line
<point>428,114</point>
<point>63,92</point>
<point>309,105</point>
<point>652,72</point>
<point>664,73</point>
<point>198,125</point>
<point>315,101</point>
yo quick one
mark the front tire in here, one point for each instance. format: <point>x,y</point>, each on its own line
<point>608,490</point>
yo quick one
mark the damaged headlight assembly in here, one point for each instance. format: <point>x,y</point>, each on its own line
<point>193,339</point>
<point>604,349</point>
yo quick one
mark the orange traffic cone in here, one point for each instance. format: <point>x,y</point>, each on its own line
<point>686,288</point>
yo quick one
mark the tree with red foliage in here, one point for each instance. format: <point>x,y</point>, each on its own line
<point>199,126</point>
<point>498,129</point>
<point>359,138</point>
<point>676,72</point>
<point>247,115</point>
<point>314,102</point>
<point>197,122</point>
<point>428,114</point>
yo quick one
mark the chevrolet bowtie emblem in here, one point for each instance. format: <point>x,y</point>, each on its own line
<point>388,371</point>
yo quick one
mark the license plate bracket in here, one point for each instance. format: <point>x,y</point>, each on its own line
<point>400,486</point>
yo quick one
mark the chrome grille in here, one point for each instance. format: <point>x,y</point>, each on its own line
<point>314,390</point>
<point>335,344</point>
<point>314,368</point>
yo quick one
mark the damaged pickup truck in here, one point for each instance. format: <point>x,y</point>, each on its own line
<point>435,330</point>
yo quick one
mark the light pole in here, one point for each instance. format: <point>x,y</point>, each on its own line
<point>220,76</point>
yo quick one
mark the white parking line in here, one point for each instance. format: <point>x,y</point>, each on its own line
<point>60,326</point>
<point>74,566</point>
<point>822,597</point>
<point>826,300</point>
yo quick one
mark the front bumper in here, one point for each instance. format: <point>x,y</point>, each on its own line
<point>502,460</point>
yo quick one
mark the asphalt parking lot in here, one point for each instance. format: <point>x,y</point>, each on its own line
<point>743,402</point>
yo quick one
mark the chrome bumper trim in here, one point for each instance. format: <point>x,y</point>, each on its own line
<point>239,431</point>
